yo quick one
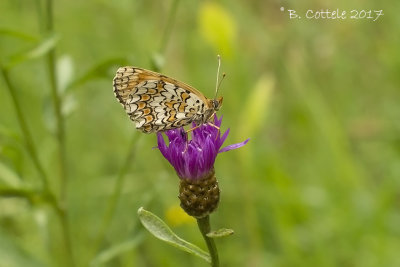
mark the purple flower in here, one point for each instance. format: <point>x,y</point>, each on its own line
<point>195,158</point>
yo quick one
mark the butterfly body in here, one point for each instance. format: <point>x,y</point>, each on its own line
<point>156,102</point>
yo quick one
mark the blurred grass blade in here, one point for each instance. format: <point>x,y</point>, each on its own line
<point>256,107</point>
<point>40,50</point>
<point>157,62</point>
<point>13,253</point>
<point>220,233</point>
<point>49,118</point>
<point>217,27</point>
<point>116,250</point>
<point>69,105</point>
<point>100,70</point>
<point>18,35</point>
<point>160,230</point>
<point>8,176</point>
<point>65,71</point>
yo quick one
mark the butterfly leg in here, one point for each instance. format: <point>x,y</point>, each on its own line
<point>186,137</point>
<point>213,125</point>
<point>210,123</point>
<point>216,127</point>
<point>192,129</point>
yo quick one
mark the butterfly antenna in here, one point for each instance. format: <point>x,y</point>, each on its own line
<point>218,84</point>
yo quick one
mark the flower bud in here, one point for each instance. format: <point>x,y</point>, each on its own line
<point>199,197</point>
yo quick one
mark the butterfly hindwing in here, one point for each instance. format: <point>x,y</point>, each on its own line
<point>156,102</point>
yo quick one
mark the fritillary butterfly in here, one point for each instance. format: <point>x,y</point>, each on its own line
<point>156,102</point>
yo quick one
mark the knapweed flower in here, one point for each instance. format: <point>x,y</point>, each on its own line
<point>193,161</point>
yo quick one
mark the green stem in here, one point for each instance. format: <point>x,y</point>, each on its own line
<point>39,12</point>
<point>168,27</point>
<point>204,226</point>
<point>113,201</point>
<point>62,209</point>
<point>30,145</point>
<point>31,148</point>
<point>21,193</point>
<point>60,126</point>
<point>157,61</point>
<point>57,102</point>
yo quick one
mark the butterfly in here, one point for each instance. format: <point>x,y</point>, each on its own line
<point>156,102</point>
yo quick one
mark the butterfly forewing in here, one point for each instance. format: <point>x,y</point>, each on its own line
<point>156,102</point>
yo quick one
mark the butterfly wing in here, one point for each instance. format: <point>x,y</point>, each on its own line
<point>156,102</point>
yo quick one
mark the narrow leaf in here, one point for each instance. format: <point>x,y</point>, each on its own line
<point>13,253</point>
<point>116,250</point>
<point>8,176</point>
<point>18,35</point>
<point>17,192</point>
<point>160,230</point>
<point>40,50</point>
<point>100,70</point>
<point>220,233</point>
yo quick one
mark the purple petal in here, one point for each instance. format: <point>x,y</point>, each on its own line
<point>191,166</point>
<point>196,157</point>
<point>162,146</point>
<point>210,153</point>
<point>234,146</point>
<point>223,138</point>
<point>217,122</point>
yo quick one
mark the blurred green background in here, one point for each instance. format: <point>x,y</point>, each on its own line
<point>317,185</point>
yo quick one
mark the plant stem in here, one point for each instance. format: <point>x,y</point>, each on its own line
<point>57,102</point>
<point>60,126</point>
<point>62,209</point>
<point>168,27</point>
<point>204,226</point>
<point>113,200</point>
<point>30,145</point>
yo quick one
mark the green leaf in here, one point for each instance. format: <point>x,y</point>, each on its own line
<point>220,233</point>
<point>116,250</point>
<point>160,230</point>
<point>18,35</point>
<point>40,50</point>
<point>13,254</point>
<point>26,193</point>
<point>100,70</point>
<point>9,177</point>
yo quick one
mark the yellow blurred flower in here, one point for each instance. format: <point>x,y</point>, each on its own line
<point>175,216</point>
<point>256,107</point>
<point>217,27</point>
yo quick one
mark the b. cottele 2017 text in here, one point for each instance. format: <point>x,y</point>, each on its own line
<point>337,14</point>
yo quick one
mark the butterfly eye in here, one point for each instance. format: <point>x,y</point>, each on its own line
<point>216,104</point>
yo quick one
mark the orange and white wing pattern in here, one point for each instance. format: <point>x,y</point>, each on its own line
<point>157,103</point>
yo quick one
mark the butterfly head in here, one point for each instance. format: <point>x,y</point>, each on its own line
<point>217,103</point>
<point>213,106</point>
